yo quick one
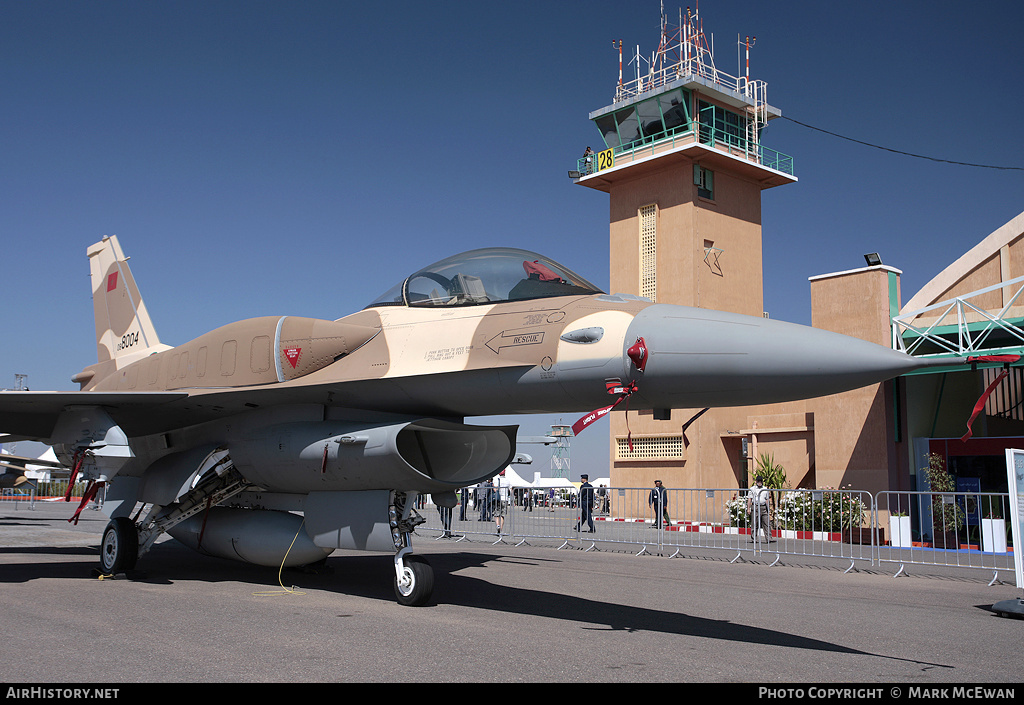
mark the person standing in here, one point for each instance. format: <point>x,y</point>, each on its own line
<point>586,504</point>
<point>757,508</point>
<point>497,510</point>
<point>446,520</point>
<point>485,494</point>
<point>658,500</point>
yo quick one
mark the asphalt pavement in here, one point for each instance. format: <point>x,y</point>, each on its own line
<point>500,613</point>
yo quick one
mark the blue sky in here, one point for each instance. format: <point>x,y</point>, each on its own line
<point>298,158</point>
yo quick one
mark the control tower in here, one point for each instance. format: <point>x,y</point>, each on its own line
<point>682,161</point>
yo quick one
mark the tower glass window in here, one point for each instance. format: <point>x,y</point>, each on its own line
<point>629,127</point>
<point>704,179</point>
<point>646,120</point>
<point>675,107</point>
<point>721,125</point>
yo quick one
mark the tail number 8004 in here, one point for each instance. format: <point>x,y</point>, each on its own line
<point>128,340</point>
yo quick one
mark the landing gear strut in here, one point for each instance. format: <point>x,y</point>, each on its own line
<point>124,540</point>
<point>414,578</point>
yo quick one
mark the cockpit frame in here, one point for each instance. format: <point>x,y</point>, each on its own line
<point>486,276</point>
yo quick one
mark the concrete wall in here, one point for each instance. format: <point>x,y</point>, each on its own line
<point>835,441</point>
<point>687,225</point>
<point>708,255</point>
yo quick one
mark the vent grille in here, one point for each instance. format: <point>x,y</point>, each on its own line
<point>650,448</point>
<point>649,252</point>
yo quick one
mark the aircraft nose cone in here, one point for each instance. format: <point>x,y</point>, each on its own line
<point>698,357</point>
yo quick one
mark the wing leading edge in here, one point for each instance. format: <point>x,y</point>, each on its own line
<point>33,415</point>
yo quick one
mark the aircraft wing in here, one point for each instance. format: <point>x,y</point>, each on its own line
<point>33,415</point>
<point>19,462</point>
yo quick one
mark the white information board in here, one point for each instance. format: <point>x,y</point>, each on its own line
<point>1015,484</point>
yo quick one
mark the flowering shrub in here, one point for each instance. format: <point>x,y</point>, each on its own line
<point>736,508</point>
<point>835,511</point>
<point>796,511</point>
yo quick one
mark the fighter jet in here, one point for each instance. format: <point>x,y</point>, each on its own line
<point>280,439</point>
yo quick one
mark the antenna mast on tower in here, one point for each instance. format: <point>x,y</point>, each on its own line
<point>685,53</point>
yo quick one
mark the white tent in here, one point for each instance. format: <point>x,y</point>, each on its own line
<point>41,472</point>
<point>556,482</point>
<point>35,471</point>
<point>510,478</point>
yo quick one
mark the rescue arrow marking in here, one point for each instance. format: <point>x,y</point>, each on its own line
<point>514,340</point>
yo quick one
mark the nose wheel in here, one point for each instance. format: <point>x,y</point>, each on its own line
<point>414,580</point>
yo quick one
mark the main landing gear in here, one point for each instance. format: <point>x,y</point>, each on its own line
<point>124,540</point>
<point>119,548</point>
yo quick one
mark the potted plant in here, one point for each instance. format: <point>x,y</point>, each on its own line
<point>993,528</point>
<point>899,530</point>
<point>947,516</point>
<point>773,474</point>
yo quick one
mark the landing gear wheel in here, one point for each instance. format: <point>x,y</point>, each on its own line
<point>120,546</point>
<point>415,583</point>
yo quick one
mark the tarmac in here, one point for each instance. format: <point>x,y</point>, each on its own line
<point>500,614</point>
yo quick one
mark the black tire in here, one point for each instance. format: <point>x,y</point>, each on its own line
<point>119,549</point>
<point>419,585</point>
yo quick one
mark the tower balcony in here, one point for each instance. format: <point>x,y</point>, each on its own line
<point>712,146</point>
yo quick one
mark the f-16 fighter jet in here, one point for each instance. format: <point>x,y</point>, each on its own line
<point>292,437</point>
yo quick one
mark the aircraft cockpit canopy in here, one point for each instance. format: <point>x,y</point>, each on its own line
<point>486,276</point>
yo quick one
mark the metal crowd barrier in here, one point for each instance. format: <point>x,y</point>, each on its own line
<point>20,498</point>
<point>848,525</point>
<point>27,496</point>
<point>962,529</point>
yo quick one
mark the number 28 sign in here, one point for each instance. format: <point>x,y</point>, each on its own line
<point>605,160</point>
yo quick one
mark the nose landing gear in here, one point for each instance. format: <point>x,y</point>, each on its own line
<point>414,579</point>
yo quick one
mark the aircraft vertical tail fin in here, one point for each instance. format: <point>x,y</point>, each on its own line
<point>124,331</point>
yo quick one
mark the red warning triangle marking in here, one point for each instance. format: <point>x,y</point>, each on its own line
<point>293,355</point>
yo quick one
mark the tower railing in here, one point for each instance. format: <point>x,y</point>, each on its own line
<point>721,140</point>
<point>753,90</point>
